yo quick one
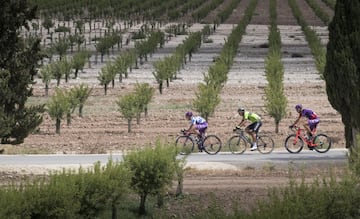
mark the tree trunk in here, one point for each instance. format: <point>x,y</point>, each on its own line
<point>58,122</point>
<point>277,126</point>
<point>179,188</point>
<point>76,73</point>
<point>81,110</point>
<point>142,204</point>
<point>146,111</point>
<point>160,87</point>
<point>356,137</point>
<point>68,119</point>
<point>46,89</point>
<point>129,125</point>
<point>138,119</point>
<point>114,211</point>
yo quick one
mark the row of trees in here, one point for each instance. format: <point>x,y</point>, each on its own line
<point>64,103</point>
<point>208,94</point>
<point>317,49</point>
<point>167,68</point>
<point>275,99</point>
<point>131,105</point>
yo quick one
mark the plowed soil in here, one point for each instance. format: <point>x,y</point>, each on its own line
<point>102,129</point>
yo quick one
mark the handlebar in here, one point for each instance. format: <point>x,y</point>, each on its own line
<point>294,128</point>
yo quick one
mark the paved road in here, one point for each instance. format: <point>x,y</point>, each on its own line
<point>196,160</point>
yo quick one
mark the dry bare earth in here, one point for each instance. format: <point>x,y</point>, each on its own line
<point>103,129</point>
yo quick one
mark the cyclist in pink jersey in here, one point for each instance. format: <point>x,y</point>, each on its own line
<point>311,122</point>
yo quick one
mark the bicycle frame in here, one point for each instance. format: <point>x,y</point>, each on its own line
<point>194,138</point>
<point>243,134</point>
<point>300,134</point>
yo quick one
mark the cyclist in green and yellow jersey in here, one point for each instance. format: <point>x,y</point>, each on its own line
<point>251,129</point>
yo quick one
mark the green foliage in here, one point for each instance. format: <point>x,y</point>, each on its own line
<point>153,170</point>
<point>317,49</point>
<point>19,60</point>
<point>61,46</point>
<point>58,106</point>
<point>144,93</point>
<point>342,70</point>
<point>62,29</point>
<point>81,93</point>
<point>275,99</point>
<point>65,68</point>
<point>107,75</point>
<point>47,24</point>
<point>78,61</point>
<point>67,193</point>
<point>46,76</point>
<point>207,98</point>
<point>128,106</point>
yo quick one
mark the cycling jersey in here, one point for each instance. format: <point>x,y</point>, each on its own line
<point>197,120</point>
<point>252,117</point>
<point>309,114</point>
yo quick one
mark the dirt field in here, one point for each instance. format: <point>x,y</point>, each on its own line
<point>104,130</point>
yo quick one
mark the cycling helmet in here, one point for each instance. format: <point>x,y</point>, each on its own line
<point>241,109</point>
<point>298,106</point>
<point>189,114</point>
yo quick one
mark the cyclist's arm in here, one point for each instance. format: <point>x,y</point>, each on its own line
<point>297,120</point>
<point>190,129</point>
<point>242,123</point>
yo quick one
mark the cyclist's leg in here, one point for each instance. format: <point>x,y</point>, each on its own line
<point>306,125</point>
<point>201,128</point>
<point>250,130</point>
<point>312,124</point>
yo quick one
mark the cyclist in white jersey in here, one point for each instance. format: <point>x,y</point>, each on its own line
<point>198,125</point>
<point>253,128</point>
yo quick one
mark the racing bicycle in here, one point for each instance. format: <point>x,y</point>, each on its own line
<point>294,143</point>
<point>211,144</point>
<point>239,142</point>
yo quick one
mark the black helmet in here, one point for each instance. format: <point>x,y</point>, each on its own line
<point>241,109</point>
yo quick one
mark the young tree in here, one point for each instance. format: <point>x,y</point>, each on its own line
<point>81,94</point>
<point>57,107</point>
<point>207,98</point>
<point>107,75</point>
<point>160,73</point>
<point>46,75</point>
<point>128,108</point>
<point>144,93</point>
<point>61,46</point>
<point>275,99</point>
<point>342,70</point>
<point>153,169</point>
<point>66,67</point>
<point>78,61</point>
<point>56,71</point>
<point>19,60</point>
<point>47,24</point>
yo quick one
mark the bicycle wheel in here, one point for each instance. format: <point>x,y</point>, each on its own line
<point>265,144</point>
<point>322,143</point>
<point>237,145</point>
<point>212,144</point>
<point>294,145</point>
<point>184,144</point>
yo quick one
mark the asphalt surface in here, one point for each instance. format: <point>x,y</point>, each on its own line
<point>223,160</point>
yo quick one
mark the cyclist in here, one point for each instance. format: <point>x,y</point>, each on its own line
<point>198,125</point>
<point>251,129</point>
<point>312,119</point>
